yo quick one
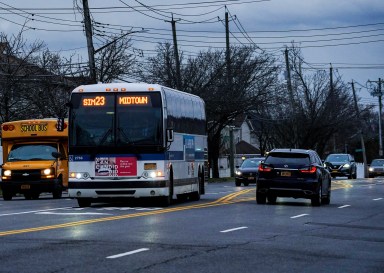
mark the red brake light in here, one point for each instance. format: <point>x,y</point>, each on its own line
<point>311,169</point>
<point>9,127</point>
<point>263,168</point>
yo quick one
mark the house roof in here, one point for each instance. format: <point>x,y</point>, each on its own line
<point>244,147</point>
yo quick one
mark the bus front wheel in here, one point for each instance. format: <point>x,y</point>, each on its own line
<point>84,202</point>
<point>7,195</point>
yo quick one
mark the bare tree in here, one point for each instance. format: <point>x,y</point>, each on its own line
<point>320,111</point>
<point>116,60</point>
<point>16,68</point>
<point>205,75</point>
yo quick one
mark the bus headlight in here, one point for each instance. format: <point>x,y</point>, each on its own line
<point>79,175</point>
<point>7,173</point>
<point>152,174</point>
<point>47,171</point>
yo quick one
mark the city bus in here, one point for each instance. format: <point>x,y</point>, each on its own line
<point>136,140</point>
<point>34,158</point>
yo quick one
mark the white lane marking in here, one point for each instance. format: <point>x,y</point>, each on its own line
<point>377,199</point>
<point>345,206</point>
<point>72,213</point>
<point>127,253</point>
<point>232,229</point>
<point>32,211</point>
<point>300,215</point>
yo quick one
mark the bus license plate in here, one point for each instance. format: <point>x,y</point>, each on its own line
<point>285,173</point>
<point>25,187</point>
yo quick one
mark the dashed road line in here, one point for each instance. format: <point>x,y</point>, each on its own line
<point>233,229</point>
<point>127,253</point>
<point>300,215</point>
<point>32,211</point>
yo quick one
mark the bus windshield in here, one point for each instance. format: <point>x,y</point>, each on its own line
<point>20,152</point>
<point>116,119</point>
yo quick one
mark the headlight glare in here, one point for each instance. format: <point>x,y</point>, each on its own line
<point>7,173</point>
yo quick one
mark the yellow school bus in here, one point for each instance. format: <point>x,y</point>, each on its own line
<point>35,158</point>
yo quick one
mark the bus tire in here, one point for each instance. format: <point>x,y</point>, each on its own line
<point>7,195</point>
<point>202,181</point>
<point>165,201</point>
<point>84,202</point>
<point>195,196</point>
<point>58,190</point>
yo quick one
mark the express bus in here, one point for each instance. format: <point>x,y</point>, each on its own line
<point>34,158</point>
<point>136,140</point>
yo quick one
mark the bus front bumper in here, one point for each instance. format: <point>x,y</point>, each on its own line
<point>46,185</point>
<point>111,189</point>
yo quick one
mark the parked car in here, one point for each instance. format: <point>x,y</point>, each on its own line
<point>341,165</point>
<point>296,173</point>
<point>376,168</point>
<point>247,172</point>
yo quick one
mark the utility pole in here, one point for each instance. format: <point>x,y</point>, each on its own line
<point>88,34</point>
<point>231,152</point>
<point>377,93</point>
<point>291,98</point>
<point>361,131</point>
<point>289,80</point>
<point>229,90</point>
<point>228,53</point>
<point>331,78</point>
<point>176,54</point>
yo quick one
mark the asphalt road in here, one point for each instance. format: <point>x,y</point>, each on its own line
<point>226,231</point>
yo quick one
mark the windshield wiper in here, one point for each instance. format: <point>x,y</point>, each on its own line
<point>125,137</point>
<point>105,136</point>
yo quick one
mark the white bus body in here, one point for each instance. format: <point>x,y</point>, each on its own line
<point>136,140</point>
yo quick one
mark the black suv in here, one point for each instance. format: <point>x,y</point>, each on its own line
<point>341,165</point>
<point>296,173</point>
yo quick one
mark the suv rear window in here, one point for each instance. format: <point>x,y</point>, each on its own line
<point>288,158</point>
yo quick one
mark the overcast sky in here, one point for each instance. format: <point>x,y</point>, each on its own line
<point>349,34</point>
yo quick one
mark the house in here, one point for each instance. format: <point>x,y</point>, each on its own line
<point>245,141</point>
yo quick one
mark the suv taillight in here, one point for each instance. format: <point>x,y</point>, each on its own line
<point>311,169</point>
<point>264,168</point>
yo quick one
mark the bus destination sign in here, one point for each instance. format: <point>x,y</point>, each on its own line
<point>134,100</point>
<point>94,101</point>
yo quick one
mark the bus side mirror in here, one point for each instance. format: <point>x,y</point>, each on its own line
<point>170,136</point>
<point>57,155</point>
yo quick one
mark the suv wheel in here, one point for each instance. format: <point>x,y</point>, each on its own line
<point>271,199</point>
<point>316,199</point>
<point>261,198</point>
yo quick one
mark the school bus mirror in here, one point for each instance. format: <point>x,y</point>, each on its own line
<point>57,155</point>
<point>170,136</point>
